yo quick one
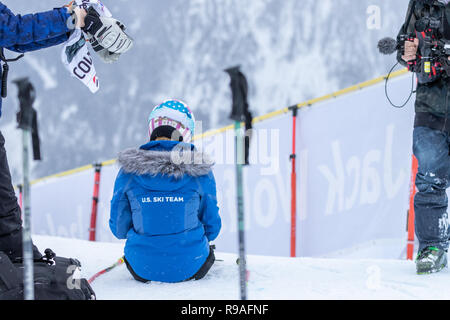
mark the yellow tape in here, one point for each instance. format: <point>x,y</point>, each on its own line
<point>346,91</point>
<point>321,99</point>
<point>109,162</point>
<point>64,174</point>
<point>270,115</point>
<point>255,120</point>
<point>212,133</point>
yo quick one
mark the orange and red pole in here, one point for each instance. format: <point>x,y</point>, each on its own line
<point>294,184</point>
<point>411,213</point>
<point>95,200</point>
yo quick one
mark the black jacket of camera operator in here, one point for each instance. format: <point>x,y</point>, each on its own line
<point>430,20</point>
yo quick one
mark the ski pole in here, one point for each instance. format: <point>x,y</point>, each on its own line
<point>247,273</point>
<point>26,122</point>
<point>240,113</point>
<point>102,272</point>
<point>240,205</point>
<point>26,233</point>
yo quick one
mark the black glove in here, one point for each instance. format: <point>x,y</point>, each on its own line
<point>54,278</point>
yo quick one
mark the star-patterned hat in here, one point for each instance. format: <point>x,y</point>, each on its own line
<point>175,114</point>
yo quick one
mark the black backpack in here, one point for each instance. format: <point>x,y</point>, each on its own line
<point>55,278</point>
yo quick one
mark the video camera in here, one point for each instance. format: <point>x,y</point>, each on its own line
<point>432,58</point>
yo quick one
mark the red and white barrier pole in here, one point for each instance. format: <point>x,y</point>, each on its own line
<point>95,199</point>
<point>294,184</point>
<point>411,214</point>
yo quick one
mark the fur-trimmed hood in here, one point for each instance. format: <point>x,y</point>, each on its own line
<point>174,163</point>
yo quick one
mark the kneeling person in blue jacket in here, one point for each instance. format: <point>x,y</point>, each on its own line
<point>165,202</point>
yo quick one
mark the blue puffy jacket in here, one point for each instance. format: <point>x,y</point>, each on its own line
<point>167,210</point>
<point>33,31</point>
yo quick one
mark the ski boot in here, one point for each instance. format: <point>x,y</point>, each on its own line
<point>431,260</point>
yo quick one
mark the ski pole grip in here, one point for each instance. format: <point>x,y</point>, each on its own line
<point>27,96</point>
<point>239,90</point>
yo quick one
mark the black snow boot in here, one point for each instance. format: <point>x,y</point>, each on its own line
<point>431,260</point>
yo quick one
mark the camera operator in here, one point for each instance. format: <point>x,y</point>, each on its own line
<point>431,139</point>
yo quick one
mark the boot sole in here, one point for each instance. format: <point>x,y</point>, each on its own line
<point>432,271</point>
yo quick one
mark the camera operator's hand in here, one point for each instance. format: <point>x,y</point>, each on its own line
<point>411,48</point>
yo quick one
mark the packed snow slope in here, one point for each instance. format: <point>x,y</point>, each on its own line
<point>271,278</point>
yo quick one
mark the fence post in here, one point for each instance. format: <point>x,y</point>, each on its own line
<point>95,200</point>
<point>411,214</point>
<point>293,158</point>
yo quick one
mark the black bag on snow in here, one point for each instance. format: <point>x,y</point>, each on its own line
<point>55,278</point>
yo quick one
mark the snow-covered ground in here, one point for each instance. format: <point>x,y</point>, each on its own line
<point>271,278</point>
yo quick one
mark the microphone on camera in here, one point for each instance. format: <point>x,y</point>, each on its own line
<point>388,46</point>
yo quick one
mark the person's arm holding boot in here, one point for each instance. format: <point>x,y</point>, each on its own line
<point>23,34</point>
